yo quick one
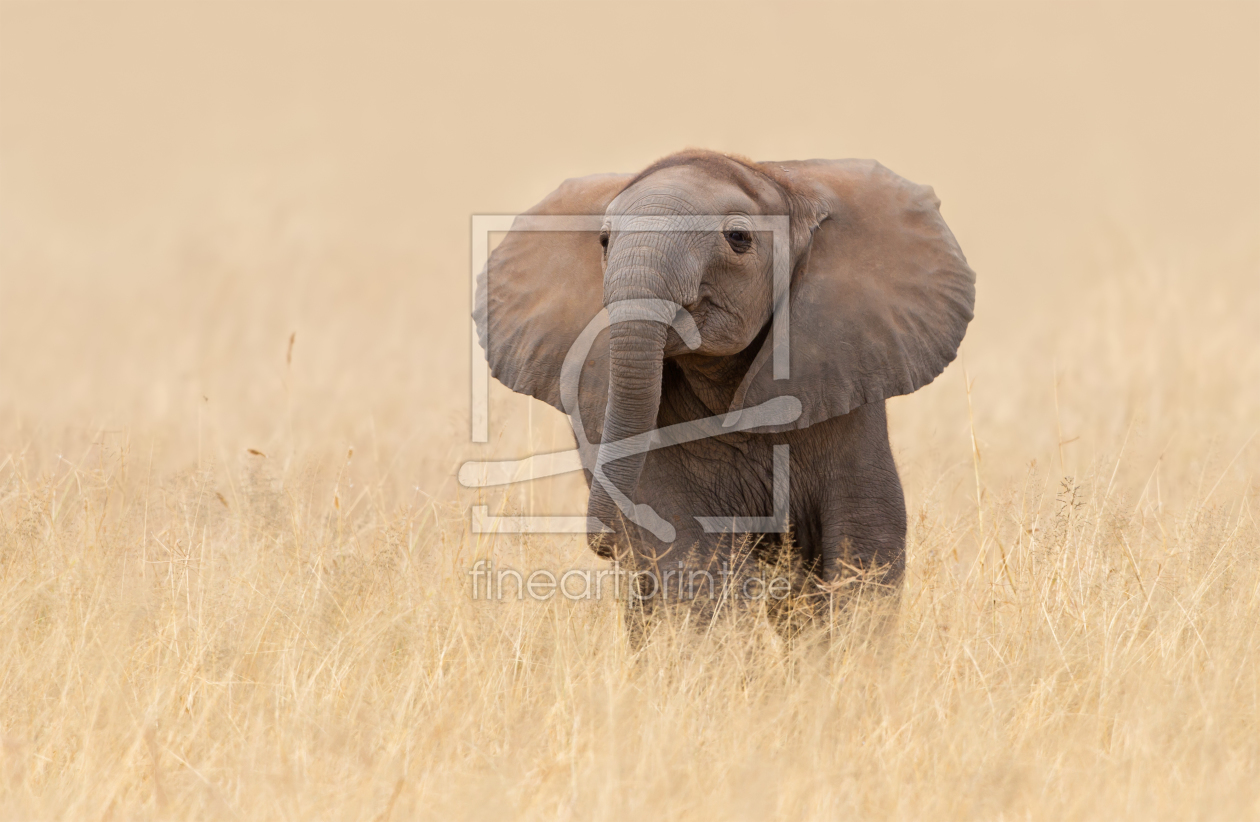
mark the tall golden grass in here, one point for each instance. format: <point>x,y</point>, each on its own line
<point>288,631</point>
<point>234,556</point>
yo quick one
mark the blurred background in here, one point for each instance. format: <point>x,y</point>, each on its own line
<point>234,395</point>
<point>184,187</point>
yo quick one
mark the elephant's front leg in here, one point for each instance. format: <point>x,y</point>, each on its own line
<point>864,531</point>
<point>686,572</point>
<point>864,559</point>
<point>689,487</point>
<point>856,519</point>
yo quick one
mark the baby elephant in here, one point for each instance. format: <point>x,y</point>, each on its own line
<point>757,317</point>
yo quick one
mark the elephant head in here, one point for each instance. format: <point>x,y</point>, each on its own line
<point>880,295</point>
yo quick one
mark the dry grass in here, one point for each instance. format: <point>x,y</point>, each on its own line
<point>289,633</point>
<point>234,564</point>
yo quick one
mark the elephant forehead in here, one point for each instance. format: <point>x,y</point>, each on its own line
<point>662,198</point>
<point>666,222</point>
<point>699,188</point>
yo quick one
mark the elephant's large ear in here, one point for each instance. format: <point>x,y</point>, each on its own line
<point>880,302</point>
<point>539,291</point>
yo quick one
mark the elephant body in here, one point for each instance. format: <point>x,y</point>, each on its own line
<point>845,500</point>
<point>666,320</point>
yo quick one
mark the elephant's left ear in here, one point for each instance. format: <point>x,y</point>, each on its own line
<point>541,288</point>
<point>880,302</point>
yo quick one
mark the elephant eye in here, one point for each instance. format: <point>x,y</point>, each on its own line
<point>603,239</point>
<point>739,240</point>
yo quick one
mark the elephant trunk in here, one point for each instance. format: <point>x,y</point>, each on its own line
<point>636,348</point>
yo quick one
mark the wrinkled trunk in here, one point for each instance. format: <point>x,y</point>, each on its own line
<point>636,348</point>
<point>634,397</point>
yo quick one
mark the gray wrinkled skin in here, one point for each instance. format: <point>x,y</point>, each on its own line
<point>880,298</point>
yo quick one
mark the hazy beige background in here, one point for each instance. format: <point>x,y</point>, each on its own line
<point>191,630</point>
<point>184,185</point>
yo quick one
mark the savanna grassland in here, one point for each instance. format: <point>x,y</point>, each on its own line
<point>234,397</point>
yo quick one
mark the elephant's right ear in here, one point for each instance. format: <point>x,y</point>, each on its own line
<point>881,300</point>
<point>539,291</point>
